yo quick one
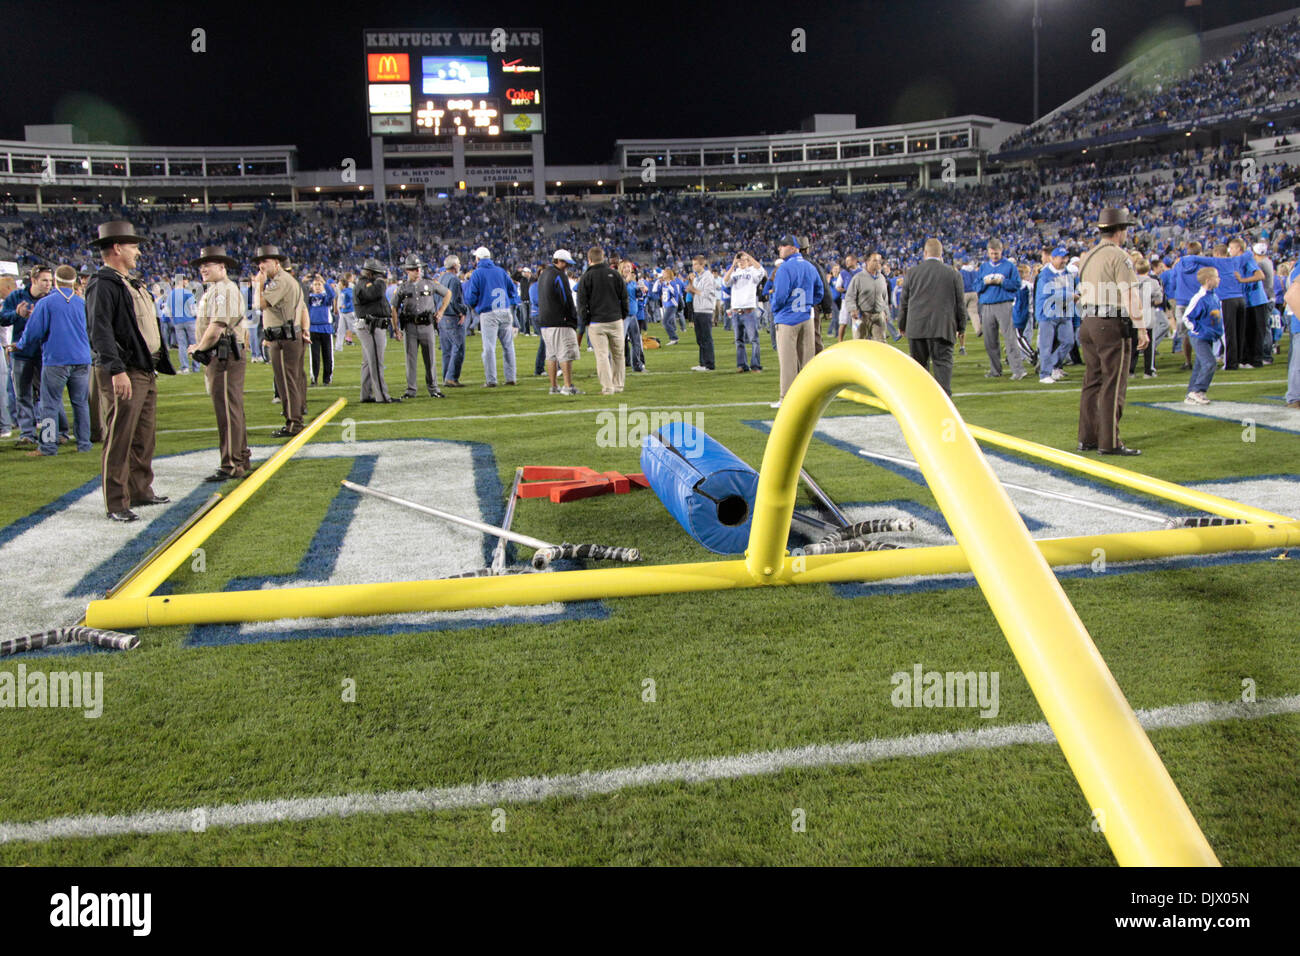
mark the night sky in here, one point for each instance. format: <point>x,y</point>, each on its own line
<point>280,74</point>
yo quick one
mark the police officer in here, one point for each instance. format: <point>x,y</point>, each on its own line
<point>222,341</point>
<point>1110,306</point>
<point>418,312</point>
<point>374,316</point>
<point>287,329</point>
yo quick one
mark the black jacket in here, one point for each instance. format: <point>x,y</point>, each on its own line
<point>555,306</point>
<point>932,303</point>
<point>370,300</point>
<point>602,295</point>
<point>114,335</point>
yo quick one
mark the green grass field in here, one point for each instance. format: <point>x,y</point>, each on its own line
<point>189,727</point>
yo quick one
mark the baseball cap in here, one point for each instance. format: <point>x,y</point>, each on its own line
<point>787,240</point>
<point>1260,248</point>
<point>482,253</point>
<point>563,255</point>
<point>1060,251</point>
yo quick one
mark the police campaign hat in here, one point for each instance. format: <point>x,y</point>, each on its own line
<point>373,265</point>
<point>412,262</point>
<point>269,252</point>
<point>1112,218</point>
<point>215,254</point>
<point>119,230</point>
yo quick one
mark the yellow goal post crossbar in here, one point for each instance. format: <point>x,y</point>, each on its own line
<point>148,579</point>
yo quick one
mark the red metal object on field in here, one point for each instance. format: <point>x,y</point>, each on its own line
<point>572,484</point>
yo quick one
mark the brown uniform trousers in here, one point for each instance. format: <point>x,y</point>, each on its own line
<point>1107,351</point>
<point>127,461</point>
<point>226,383</point>
<point>285,356</point>
<point>96,413</point>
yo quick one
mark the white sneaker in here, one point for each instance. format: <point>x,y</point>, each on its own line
<point>1047,380</point>
<point>7,433</point>
<point>700,368</point>
<point>1191,399</point>
<point>1201,399</point>
<point>775,404</point>
<point>1058,374</point>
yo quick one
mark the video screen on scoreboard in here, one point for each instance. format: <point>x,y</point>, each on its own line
<point>480,84</point>
<point>454,75</point>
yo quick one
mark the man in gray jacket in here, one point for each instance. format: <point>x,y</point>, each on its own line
<point>867,301</point>
<point>931,312</point>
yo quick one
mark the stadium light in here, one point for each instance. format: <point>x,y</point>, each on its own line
<point>514,184</point>
<point>318,189</point>
<point>600,182</point>
<point>403,185</point>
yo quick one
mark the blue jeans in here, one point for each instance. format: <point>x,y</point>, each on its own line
<point>184,339</point>
<point>1060,331</point>
<point>255,338</point>
<point>632,329</point>
<point>27,388</point>
<point>1203,372</point>
<point>496,326</point>
<point>1293,370</point>
<point>746,321</point>
<point>452,335</point>
<point>670,324</point>
<point>76,379</point>
<point>6,416</point>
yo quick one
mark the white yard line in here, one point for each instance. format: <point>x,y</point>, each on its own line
<point>594,783</point>
<point>1066,390</point>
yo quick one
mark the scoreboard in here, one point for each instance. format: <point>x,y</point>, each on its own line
<point>434,84</point>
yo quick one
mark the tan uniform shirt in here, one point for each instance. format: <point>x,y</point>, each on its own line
<point>223,304</point>
<point>1105,277</point>
<point>281,301</point>
<point>146,317</point>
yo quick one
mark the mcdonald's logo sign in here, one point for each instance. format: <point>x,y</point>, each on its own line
<point>389,67</point>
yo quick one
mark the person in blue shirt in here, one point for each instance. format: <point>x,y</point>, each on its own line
<point>1203,323</point>
<point>320,302</point>
<point>669,294</point>
<point>1233,265</point>
<point>539,365</point>
<point>635,354</point>
<point>1291,297</point>
<point>492,293</point>
<point>1056,308</point>
<point>796,290</point>
<point>26,362</point>
<point>451,327</point>
<point>347,312</point>
<point>178,306</point>
<point>57,327</point>
<point>999,281</point>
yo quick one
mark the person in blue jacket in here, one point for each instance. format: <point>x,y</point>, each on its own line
<point>1292,299</point>
<point>1203,322</point>
<point>493,295</point>
<point>669,292</point>
<point>26,362</point>
<point>796,290</point>
<point>178,307</point>
<point>634,353</point>
<point>999,281</point>
<point>57,327</point>
<point>1056,308</point>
